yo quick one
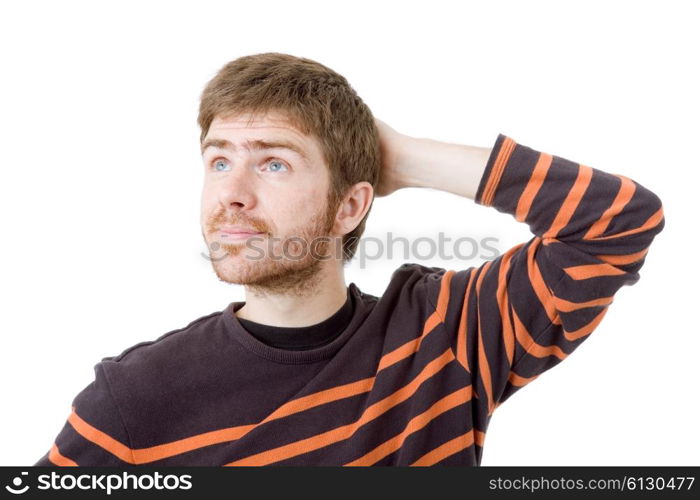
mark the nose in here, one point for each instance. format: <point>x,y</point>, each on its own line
<point>237,189</point>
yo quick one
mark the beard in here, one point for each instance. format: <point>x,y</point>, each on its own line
<point>291,265</point>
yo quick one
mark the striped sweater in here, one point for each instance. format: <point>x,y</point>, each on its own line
<point>416,375</point>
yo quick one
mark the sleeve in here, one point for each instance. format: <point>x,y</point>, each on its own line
<point>522,313</point>
<point>94,433</point>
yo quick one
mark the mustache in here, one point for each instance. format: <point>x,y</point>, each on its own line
<point>257,225</point>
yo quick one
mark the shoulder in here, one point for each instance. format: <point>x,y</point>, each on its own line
<point>417,281</point>
<point>413,271</point>
<point>411,294</point>
<point>131,389</point>
<point>166,354</point>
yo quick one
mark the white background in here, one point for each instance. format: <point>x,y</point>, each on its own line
<point>100,181</point>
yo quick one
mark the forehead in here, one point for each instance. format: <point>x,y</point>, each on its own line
<point>266,129</point>
<point>271,122</point>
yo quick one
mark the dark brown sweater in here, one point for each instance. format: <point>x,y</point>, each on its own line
<point>415,376</point>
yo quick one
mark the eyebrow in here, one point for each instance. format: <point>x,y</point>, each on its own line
<point>255,145</point>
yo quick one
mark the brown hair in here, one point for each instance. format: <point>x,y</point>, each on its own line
<point>317,101</point>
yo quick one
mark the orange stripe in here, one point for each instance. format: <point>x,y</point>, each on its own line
<point>479,437</point>
<point>540,351</point>
<point>585,330</point>
<point>158,452</point>
<point>503,302</point>
<point>539,285</point>
<point>484,369</point>
<point>507,147</point>
<point>519,381</point>
<point>462,330</point>
<point>322,397</point>
<point>566,306</point>
<point>298,405</point>
<point>444,295</point>
<point>621,260</point>
<point>57,458</point>
<point>409,348</point>
<point>99,438</point>
<point>438,316</point>
<point>651,222</point>
<point>457,398</point>
<point>624,195</point>
<point>445,450</point>
<point>573,198</point>
<point>587,271</point>
<point>532,347</point>
<point>346,431</point>
<point>533,186</point>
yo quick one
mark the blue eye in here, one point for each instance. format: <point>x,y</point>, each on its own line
<point>278,163</point>
<point>217,162</point>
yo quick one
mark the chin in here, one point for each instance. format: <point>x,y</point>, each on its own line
<point>235,268</point>
<point>282,276</point>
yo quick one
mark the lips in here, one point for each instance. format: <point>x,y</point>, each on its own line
<point>238,230</point>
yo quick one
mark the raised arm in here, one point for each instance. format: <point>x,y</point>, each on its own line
<point>520,314</point>
<point>414,162</point>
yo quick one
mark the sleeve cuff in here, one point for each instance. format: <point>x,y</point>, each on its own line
<point>502,149</point>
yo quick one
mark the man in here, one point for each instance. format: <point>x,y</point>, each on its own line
<point>310,371</point>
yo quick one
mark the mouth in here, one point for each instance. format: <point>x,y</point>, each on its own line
<point>237,235</point>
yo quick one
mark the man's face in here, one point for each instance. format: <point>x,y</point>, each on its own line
<point>276,192</point>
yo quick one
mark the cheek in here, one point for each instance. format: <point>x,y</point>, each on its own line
<point>295,210</point>
<point>315,194</point>
<point>208,206</point>
<point>205,202</point>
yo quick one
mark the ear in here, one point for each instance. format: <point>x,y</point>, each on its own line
<point>353,207</point>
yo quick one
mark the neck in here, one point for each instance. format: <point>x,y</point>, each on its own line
<point>310,303</point>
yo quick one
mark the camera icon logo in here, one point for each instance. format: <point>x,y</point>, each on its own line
<point>17,483</point>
